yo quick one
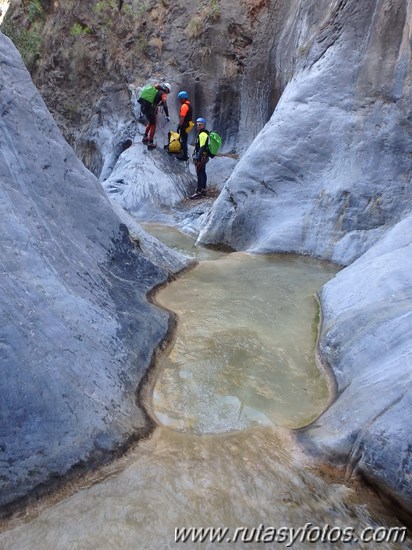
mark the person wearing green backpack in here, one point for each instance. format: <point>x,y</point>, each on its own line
<point>207,146</point>
<point>201,157</point>
<point>151,98</point>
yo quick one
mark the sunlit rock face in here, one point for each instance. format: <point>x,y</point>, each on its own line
<point>330,172</point>
<point>76,331</point>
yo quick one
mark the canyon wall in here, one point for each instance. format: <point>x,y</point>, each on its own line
<point>77,333</point>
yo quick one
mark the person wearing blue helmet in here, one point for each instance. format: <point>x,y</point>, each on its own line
<point>185,117</point>
<point>201,157</point>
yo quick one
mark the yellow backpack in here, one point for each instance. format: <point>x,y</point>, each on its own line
<point>174,143</point>
<point>190,127</point>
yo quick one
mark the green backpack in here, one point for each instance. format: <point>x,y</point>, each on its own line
<point>148,93</point>
<point>215,143</point>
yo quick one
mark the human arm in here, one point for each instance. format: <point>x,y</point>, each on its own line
<point>181,120</point>
<point>163,102</point>
<point>166,109</point>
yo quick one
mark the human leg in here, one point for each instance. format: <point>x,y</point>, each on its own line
<point>145,108</point>
<point>152,124</point>
<point>146,134</point>
<point>201,177</point>
<point>183,140</point>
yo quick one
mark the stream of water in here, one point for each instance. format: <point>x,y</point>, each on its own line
<point>242,372</point>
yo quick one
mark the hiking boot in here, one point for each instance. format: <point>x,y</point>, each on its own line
<point>151,145</point>
<point>145,139</point>
<point>182,158</point>
<point>203,192</point>
<point>196,196</point>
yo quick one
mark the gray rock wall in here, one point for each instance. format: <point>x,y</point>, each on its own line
<point>330,172</point>
<point>366,337</point>
<point>76,332</point>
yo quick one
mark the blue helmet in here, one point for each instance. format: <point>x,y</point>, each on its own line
<point>201,120</point>
<point>183,95</point>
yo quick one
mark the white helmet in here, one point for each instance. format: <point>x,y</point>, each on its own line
<point>166,86</point>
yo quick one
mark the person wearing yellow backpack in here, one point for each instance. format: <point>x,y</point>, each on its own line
<point>185,122</point>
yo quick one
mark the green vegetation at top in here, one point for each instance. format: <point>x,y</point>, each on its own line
<point>27,39</point>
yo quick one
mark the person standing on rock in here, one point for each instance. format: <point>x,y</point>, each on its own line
<point>151,98</point>
<point>185,120</point>
<point>201,157</point>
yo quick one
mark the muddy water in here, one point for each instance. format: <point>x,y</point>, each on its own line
<point>245,348</point>
<point>241,373</point>
<point>172,480</point>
